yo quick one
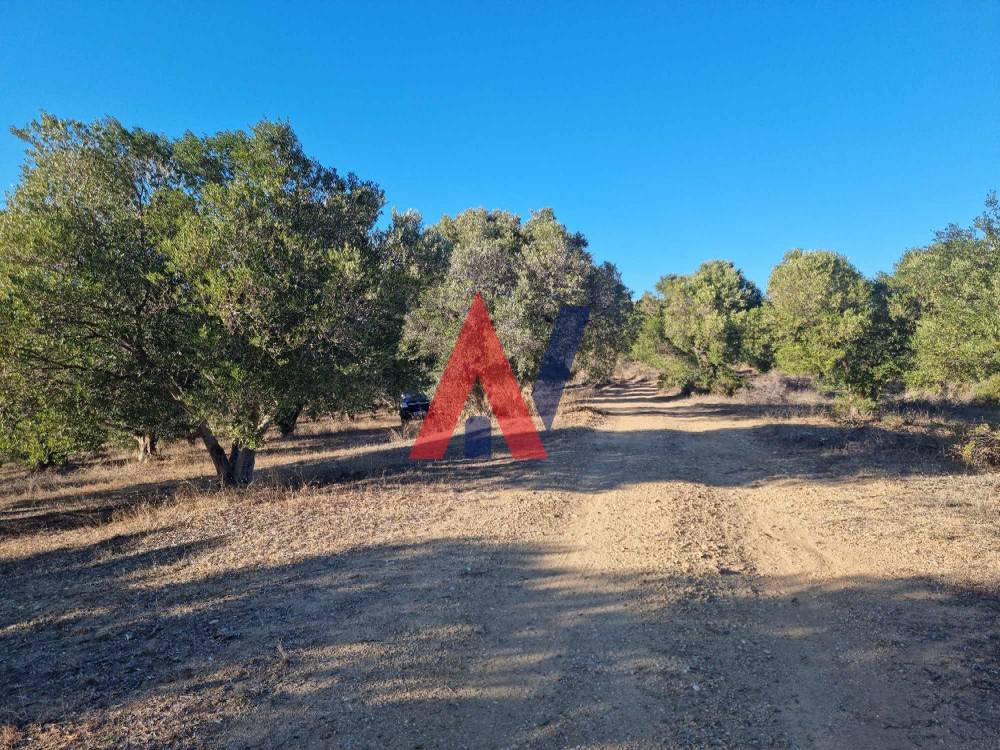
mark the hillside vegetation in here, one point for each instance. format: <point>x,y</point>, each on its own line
<point>218,287</point>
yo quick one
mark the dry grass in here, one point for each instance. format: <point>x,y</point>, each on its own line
<point>141,607</point>
<point>955,425</point>
<point>136,554</point>
<point>202,557</point>
<point>784,397</point>
<point>978,446</point>
<point>99,488</point>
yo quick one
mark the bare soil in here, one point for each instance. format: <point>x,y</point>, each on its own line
<point>680,573</point>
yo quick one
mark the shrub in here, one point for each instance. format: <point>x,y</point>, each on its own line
<point>978,446</point>
<point>854,408</point>
<point>699,329</point>
<point>828,321</point>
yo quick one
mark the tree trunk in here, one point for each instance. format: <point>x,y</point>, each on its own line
<point>288,420</point>
<point>243,467</point>
<point>147,446</point>
<point>44,464</point>
<point>234,470</point>
<point>215,451</point>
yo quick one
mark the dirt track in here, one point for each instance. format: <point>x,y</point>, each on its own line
<point>684,573</point>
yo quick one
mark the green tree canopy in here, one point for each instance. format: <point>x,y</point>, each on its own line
<point>89,314</point>
<point>698,329</point>
<point>526,272</point>
<point>217,282</point>
<point>283,271</point>
<point>40,427</point>
<point>950,294</point>
<point>829,322</point>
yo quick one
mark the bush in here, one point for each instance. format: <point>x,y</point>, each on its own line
<point>978,446</point>
<point>854,408</point>
<point>699,329</point>
<point>828,321</point>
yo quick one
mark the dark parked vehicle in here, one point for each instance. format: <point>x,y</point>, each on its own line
<point>413,406</point>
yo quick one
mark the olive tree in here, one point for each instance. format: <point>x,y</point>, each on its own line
<point>89,317</point>
<point>526,272</point>
<point>219,283</point>
<point>283,270</point>
<point>697,329</point>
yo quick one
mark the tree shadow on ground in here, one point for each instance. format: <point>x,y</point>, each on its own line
<point>465,642</point>
<point>325,441</point>
<point>89,508</point>
<point>78,504</point>
<point>581,459</point>
<point>584,459</point>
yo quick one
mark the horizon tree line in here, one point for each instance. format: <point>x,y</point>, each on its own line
<point>931,325</point>
<point>218,287</point>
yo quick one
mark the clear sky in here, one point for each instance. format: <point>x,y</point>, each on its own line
<point>667,133</point>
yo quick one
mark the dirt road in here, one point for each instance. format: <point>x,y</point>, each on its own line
<point>679,574</point>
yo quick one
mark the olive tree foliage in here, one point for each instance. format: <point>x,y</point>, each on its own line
<point>91,338</point>
<point>41,428</point>
<point>949,292</point>
<point>828,321</point>
<point>609,334</point>
<point>699,330</point>
<point>283,273</point>
<point>219,283</point>
<point>526,272</point>
<point>412,260</point>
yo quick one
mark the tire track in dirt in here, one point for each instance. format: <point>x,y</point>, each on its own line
<point>816,646</point>
<point>675,577</point>
<point>691,673</point>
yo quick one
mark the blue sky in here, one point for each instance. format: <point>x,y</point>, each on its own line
<point>667,133</point>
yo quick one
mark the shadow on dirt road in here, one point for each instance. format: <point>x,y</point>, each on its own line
<point>460,643</point>
<point>667,439</point>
